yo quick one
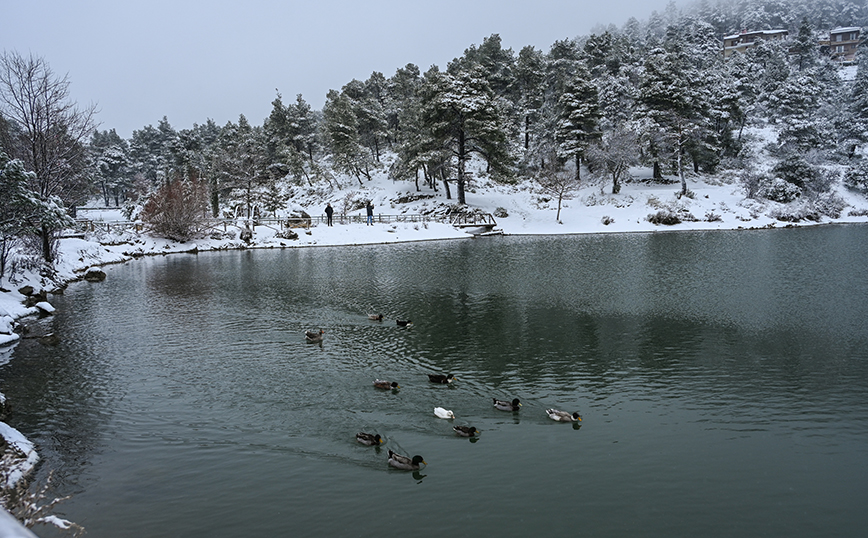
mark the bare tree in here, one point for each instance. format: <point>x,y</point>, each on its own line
<point>179,210</point>
<point>47,131</point>
<point>558,179</point>
<point>614,155</point>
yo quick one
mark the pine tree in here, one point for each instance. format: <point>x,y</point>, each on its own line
<point>671,107</point>
<point>579,121</point>
<point>461,114</point>
<point>341,128</point>
<point>241,165</point>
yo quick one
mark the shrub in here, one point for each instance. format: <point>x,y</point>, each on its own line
<point>856,177</point>
<point>663,217</point>
<point>607,220</point>
<point>500,213</point>
<point>778,190</point>
<point>178,211</point>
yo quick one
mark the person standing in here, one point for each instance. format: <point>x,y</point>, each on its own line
<point>329,211</point>
<point>370,209</point>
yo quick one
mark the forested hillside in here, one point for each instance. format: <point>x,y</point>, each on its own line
<point>657,93</point>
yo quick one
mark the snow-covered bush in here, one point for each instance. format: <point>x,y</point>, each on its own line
<point>711,216</point>
<point>501,213</point>
<point>607,220</point>
<point>856,177</point>
<point>664,216</point>
<point>778,190</point>
<point>807,177</point>
<point>795,213</point>
<point>830,205</point>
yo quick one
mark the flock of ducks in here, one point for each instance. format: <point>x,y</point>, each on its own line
<point>407,463</point>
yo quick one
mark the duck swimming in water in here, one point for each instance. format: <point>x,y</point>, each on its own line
<point>386,385</point>
<point>375,317</point>
<point>369,439</point>
<point>465,431</point>
<point>439,412</point>
<point>440,378</point>
<point>403,322</point>
<point>563,416</point>
<point>314,336</point>
<point>404,463</point>
<point>507,406</point>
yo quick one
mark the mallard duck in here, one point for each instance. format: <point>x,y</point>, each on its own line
<point>563,416</point>
<point>369,439</point>
<point>404,322</point>
<point>439,412</point>
<point>507,406</point>
<point>404,463</point>
<point>375,317</point>
<point>314,336</point>
<point>465,431</point>
<point>440,378</point>
<point>383,384</point>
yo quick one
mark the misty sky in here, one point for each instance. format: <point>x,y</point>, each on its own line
<point>192,60</point>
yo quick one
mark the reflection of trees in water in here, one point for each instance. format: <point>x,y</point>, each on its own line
<point>58,395</point>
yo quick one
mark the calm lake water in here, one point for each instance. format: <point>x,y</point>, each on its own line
<point>722,378</point>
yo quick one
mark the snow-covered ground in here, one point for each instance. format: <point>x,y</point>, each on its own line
<point>716,203</point>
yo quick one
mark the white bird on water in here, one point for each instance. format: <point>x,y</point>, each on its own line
<point>443,413</point>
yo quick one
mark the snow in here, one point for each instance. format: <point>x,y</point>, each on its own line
<point>20,457</point>
<point>715,203</point>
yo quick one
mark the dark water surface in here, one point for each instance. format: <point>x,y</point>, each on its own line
<point>722,377</point>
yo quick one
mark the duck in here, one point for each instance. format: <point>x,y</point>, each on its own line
<point>507,406</point>
<point>404,322</point>
<point>383,384</point>
<point>563,416</point>
<point>465,431</point>
<point>375,317</point>
<point>314,336</point>
<point>404,463</point>
<point>439,412</point>
<point>440,378</point>
<point>369,439</point>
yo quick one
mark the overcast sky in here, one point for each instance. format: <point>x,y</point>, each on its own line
<point>192,60</point>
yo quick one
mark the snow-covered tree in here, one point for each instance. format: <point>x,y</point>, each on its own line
<point>613,156</point>
<point>672,106</point>
<point>241,165</point>
<point>341,131</point>
<point>579,121</point>
<point>461,114</point>
<point>110,155</point>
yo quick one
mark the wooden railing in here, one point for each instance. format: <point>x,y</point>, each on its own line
<point>460,221</point>
<point>472,220</point>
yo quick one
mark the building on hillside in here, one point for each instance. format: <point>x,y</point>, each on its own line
<point>843,43</point>
<point>745,40</point>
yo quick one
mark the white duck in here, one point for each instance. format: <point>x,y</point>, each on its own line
<point>439,412</point>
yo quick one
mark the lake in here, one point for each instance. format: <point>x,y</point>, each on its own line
<point>722,378</point>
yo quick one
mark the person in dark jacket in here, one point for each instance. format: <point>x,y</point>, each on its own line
<point>329,211</point>
<point>370,209</point>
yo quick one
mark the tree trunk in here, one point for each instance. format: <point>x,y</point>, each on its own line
<point>461,157</point>
<point>658,174</point>
<point>445,183</point>
<point>681,164</point>
<point>47,253</point>
<point>578,168</point>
